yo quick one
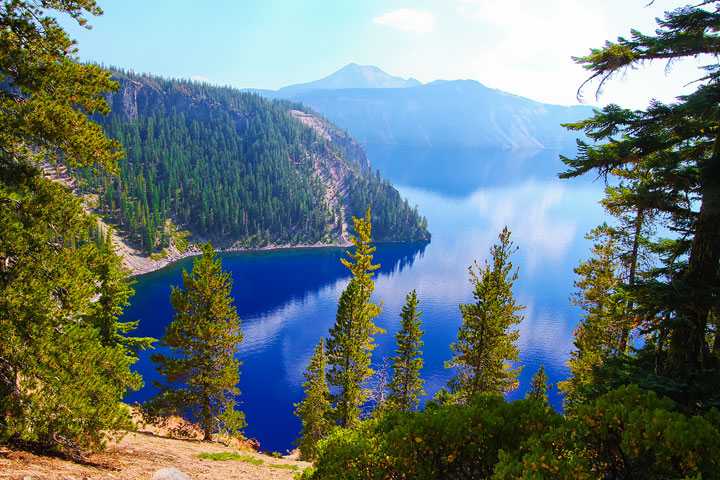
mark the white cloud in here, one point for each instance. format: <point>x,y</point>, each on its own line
<point>409,20</point>
<point>200,79</point>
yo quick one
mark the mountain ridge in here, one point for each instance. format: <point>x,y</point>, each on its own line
<point>439,113</point>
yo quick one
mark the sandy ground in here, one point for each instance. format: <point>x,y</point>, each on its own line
<point>139,455</point>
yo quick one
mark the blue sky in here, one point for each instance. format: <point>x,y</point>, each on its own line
<point>520,46</point>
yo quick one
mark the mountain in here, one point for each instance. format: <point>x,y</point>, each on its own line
<point>350,76</point>
<point>235,168</point>
<point>454,113</point>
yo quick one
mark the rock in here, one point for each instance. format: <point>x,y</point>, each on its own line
<point>169,474</point>
<point>254,443</point>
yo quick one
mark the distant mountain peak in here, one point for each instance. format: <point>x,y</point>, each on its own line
<point>352,75</point>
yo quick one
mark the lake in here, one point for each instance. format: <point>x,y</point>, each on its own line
<point>287,299</point>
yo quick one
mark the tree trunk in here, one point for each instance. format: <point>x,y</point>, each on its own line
<point>625,330</point>
<point>207,418</point>
<point>688,348</point>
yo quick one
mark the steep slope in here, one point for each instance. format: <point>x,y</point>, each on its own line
<point>235,168</point>
<point>442,113</point>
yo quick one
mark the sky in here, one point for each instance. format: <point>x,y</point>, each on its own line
<point>519,46</point>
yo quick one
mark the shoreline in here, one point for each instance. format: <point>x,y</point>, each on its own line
<point>137,265</point>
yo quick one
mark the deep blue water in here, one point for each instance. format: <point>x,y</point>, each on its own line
<point>287,299</point>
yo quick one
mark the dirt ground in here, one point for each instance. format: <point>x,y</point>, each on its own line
<point>138,455</point>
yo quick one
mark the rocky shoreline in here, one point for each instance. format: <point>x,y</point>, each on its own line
<point>138,264</point>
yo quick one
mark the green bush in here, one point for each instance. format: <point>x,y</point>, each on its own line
<point>626,433</point>
<point>452,441</point>
<point>631,433</point>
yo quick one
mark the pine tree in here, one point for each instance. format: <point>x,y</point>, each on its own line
<point>314,411</point>
<point>671,154</point>
<point>113,291</point>
<point>540,386</point>
<point>406,385</point>
<point>600,332</point>
<point>351,343</point>
<point>202,373</point>
<point>485,346</point>
<point>60,382</point>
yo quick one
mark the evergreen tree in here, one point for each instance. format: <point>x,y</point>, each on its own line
<point>600,332</point>
<point>60,382</point>
<point>406,385</point>
<point>351,343</point>
<point>671,153</point>
<point>540,386</point>
<point>202,373</point>
<point>485,345</point>
<point>314,411</point>
<point>113,291</point>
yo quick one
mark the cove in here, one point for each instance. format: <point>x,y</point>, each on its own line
<point>287,299</point>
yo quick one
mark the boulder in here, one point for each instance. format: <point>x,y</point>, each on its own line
<point>169,474</point>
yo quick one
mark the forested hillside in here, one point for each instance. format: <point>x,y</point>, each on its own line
<point>235,168</point>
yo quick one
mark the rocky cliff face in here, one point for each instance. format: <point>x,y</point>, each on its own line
<point>135,98</point>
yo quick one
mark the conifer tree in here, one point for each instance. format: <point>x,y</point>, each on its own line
<point>672,152</point>
<point>314,411</point>
<point>540,386</point>
<point>60,382</point>
<point>601,329</point>
<point>350,343</point>
<point>485,345</point>
<point>202,373</point>
<point>406,385</point>
<point>113,291</point>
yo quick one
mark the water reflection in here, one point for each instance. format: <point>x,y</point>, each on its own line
<point>458,172</point>
<point>288,299</point>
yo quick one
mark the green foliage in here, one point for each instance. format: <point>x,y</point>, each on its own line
<point>113,292</point>
<point>627,433</point>
<point>285,466</point>
<point>231,166</point>
<point>664,168</point>
<point>406,385</point>
<point>601,329</point>
<point>485,345</point>
<point>202,373</point>
<point>351,343</point>
<point>451,441</point>
<point>305,474</point>
<point>45,95</point>
<point>222,456</point>
<point>539,387</point>
<point>64,359</point>
<point>314,411</point>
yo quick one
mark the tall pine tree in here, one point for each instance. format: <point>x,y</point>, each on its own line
<point>202,373</point>
<point>350,345</point>
<point>485,345</point>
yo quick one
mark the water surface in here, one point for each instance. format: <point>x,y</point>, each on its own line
<point>287,299</point>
